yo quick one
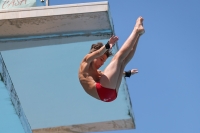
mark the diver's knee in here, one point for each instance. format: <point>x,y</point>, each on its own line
<point>123,63</point>
<point>118,58</point>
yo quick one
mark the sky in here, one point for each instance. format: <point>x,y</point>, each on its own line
<point>166,92</point>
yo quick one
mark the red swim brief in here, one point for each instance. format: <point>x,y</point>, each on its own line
<point>106,94</point>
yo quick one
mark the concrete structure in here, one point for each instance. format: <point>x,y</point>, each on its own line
<point>42,48</point>
<point>12,117</point>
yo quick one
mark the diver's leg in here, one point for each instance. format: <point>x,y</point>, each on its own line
<point>112,72</point>
<point>127,59</point>
<point>132,52</point>
<point>130,42</point>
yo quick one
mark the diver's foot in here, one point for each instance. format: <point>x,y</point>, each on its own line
<point>139,26</point>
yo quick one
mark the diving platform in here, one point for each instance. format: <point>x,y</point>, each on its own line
<point>41,50</point>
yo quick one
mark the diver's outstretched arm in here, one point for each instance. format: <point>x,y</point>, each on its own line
<point>90,57</point>
<point>130,72</point>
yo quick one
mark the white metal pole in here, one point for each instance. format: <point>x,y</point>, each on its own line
<point>47,2</point>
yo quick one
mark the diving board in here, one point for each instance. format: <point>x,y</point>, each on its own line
<point>34,23</point>
<point>41,49</point>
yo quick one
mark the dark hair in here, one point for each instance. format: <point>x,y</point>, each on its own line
<point>97,46</point>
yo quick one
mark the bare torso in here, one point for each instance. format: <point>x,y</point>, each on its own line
<point>88,77</point>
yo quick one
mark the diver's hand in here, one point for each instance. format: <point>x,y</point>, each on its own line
<point>134,71</point>
<point>113,40</point>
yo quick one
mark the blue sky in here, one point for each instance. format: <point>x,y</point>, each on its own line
<point>165,92</point>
